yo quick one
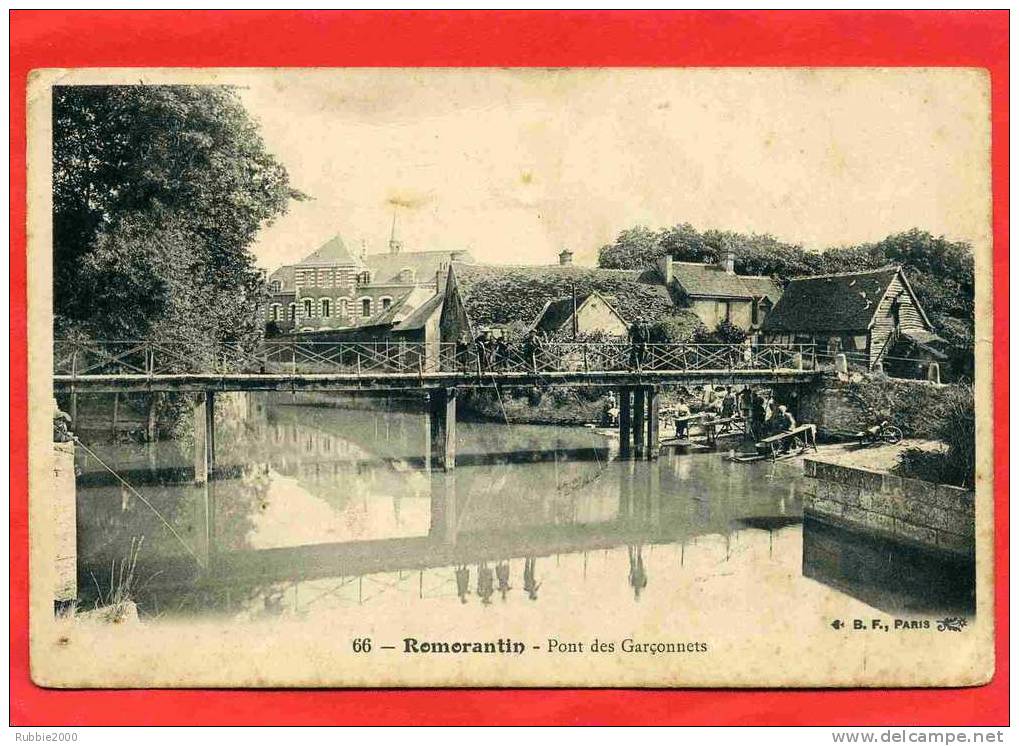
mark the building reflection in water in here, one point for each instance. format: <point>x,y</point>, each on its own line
<point>317,507</point>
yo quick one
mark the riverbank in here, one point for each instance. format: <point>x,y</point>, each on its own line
<point>860,489</point>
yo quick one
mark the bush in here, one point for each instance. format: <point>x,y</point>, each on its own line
<point>676,328</point>
<point>956,428</point>
<point>726,333</point>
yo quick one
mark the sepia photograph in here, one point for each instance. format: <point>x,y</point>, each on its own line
<point>587,377</point>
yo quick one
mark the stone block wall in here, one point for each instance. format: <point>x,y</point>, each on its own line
<point>938,517</point>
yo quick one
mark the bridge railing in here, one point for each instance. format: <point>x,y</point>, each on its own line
<point>76,358</point>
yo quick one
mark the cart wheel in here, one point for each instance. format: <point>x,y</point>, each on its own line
<point>891,434</point>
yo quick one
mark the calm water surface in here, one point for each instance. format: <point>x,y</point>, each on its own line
<point>318,509</point>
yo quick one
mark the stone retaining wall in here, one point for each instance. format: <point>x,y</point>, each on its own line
<point>938,517</point>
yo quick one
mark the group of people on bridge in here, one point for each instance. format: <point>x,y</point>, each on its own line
<point>493,351</point>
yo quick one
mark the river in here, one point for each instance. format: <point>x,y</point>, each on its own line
<point>318,509</point>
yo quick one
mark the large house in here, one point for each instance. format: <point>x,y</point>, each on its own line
<point>334,289</point>
<point>716,293</point>
<point>868,316</point>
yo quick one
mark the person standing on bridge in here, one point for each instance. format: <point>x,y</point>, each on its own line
<point>483,345</point>
<point>638,341</point>
<point>532,345</point>
<point>500,352</point>
<point>463,344</point>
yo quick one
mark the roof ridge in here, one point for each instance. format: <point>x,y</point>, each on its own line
<point>719,269</point>
<point>874,271</point>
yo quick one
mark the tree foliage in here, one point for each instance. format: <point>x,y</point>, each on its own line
<point>676,328</point>
<point>939,270</point>
<point>725,332</point>
<point>158,193</point>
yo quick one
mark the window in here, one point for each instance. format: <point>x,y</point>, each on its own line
<point>326,309</point>
<point>761,307</point>
<point>341,307</point>
<point>292,311</point>
<point>274,312</point>
<point>386,303</point>
<point>364,278</point>
<point>366,306</point>
<point>275,286</point>
<point>308,308</point>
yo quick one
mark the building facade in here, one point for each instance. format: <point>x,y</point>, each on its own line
<point>333,289</point>
<point>715,293</point>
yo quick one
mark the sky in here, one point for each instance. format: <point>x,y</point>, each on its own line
<point>516,165</point>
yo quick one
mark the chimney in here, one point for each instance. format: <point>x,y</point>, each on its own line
<point>729,261</point>
<point>565,258</point>
<point>665,268</point>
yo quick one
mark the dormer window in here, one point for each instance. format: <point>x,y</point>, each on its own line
<point>275,286</point>
<point>364,278</point>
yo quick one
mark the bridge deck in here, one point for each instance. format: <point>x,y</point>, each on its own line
<point>198,382</point>
<point>119,366</point>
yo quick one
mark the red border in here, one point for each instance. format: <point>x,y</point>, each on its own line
<point>449,38</point>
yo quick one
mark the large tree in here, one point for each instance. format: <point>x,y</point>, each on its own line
<point>158,193</point>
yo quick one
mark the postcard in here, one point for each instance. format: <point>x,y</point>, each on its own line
<point>479,377</point>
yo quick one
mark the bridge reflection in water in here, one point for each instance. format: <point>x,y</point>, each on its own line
<point>318,505</point>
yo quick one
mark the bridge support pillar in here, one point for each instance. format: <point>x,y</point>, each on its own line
<point>654,401</point>
<point>442,420</point>
<point>625,402</point>
<point>639,402</point>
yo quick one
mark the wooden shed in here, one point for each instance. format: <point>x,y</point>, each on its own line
<point>869,316</point>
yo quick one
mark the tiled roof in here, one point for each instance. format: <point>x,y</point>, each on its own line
<point>712,281</point>
<point>285,276</point>
<point>419,316</point>
<point>332,252</point>
<point>844,302</point>
<point>496,295</point>
<point>385,268</point>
